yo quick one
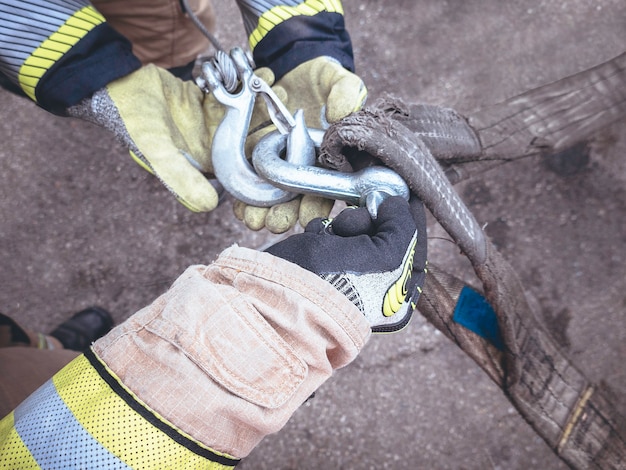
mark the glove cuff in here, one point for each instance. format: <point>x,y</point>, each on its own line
<point>284,48</point>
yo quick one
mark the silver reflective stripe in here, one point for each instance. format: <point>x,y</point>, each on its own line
<point>55,438</point>
<point>25,25</point>
<point>251,10</point>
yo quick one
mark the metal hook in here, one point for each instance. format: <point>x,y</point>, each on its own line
<point>276,180</point>
<point>230,164</point>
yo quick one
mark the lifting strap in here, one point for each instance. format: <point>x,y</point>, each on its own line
<point>431,148</point>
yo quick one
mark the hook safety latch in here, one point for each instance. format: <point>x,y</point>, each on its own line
<point>230,164</point>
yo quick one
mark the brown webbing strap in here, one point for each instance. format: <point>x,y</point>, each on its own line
<point>544,120</point>
<point>438,303</point>
<point>572,415</point>
<point>556,116</point>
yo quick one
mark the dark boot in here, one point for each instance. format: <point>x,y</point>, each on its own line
<point>83,328</point>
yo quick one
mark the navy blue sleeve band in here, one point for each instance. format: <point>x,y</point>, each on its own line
<point>102,56</point>
<point>302,38</point>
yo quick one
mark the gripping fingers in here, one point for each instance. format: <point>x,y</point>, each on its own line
<point>277,219</point>
<point>282,217</point>
<point>312,207</point>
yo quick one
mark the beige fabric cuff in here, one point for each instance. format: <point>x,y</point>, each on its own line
<point>234,348</point>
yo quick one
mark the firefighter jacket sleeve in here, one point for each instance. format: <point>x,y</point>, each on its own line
<point>60,51</point>
<point>196,379</point>
<point>285,34</point>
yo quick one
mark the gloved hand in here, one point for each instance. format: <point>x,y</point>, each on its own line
<point>378,264</point>
<point>327,92</point>
<point>167,124</point>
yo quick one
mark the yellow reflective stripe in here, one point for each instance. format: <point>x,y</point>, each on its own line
<point>57,44</point>
<point>273,17</point>
<point>141,162</point>
<point>13,452</point>
<point>119,428</point>
<point>396,294</point>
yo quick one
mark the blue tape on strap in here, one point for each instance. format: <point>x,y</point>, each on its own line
<point>473,312</point>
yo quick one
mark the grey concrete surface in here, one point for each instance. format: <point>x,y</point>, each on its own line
<point>81,224</point>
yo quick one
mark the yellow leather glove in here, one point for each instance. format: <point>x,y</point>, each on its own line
<point>327,92</point>
<point>167,124</point>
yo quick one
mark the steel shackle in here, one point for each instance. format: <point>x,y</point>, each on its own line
<point>367,187</point>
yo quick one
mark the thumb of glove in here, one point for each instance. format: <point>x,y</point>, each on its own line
<point>372,269</point>
<point>166,125</point>
<point>347,92</point>
<point>324,89</point>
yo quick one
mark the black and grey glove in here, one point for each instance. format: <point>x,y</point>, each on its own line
<point>378,264</point>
